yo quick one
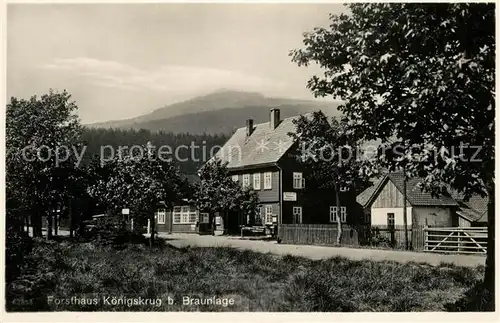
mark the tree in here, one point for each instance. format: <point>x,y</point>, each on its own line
<point>328,149</point>
<point>424,76</point>
<point>138,181</point>
<point>217,192</point>
<point>42,136</point>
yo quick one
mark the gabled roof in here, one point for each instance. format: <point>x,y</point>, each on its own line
<point>415,196</point>
<point>365,196</point>
<point>265,146</point>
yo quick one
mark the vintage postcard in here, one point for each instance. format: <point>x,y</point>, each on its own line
<point>250,157</point>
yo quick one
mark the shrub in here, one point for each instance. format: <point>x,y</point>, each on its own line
<point>16,247</point>
<point>114,234</point>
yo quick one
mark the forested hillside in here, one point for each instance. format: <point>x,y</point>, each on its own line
<point>97,139</point>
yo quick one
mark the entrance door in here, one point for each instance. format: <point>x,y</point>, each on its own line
<point>297,214</point>
<point>204,223</point>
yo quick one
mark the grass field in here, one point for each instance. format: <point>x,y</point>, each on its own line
<point>59,275</point>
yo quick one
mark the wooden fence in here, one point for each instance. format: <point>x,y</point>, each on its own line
<point>467,240</point>
<point>319,234</point>
<point>357,235</point>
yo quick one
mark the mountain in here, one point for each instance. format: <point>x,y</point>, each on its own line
<point>219,112</point>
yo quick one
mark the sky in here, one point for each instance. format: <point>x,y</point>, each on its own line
<point>123,60</point>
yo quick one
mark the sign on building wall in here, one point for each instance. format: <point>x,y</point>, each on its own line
<point>289,196</point>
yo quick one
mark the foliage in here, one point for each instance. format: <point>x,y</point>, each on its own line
<point>137,182</point>
<point>113,234</point>
<point>329,151</point>
<point>256,281</point>
<point>421,78</point>
<point>41,139</point>
<point>406,72</point>
<point>217,191</point>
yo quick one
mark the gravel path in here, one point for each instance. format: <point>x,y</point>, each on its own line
<point>319,252</point>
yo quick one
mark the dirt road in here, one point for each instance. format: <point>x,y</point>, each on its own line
<point>318,252</point>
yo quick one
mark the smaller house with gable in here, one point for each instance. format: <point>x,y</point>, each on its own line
<point>383,205</point>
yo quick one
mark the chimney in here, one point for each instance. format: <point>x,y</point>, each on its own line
<point>249,127</point>
<point>274,118</point>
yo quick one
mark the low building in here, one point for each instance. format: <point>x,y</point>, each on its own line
<point>183,218</point>
<point>383,205</point>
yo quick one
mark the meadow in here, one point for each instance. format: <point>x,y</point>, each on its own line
<point>67,276</point>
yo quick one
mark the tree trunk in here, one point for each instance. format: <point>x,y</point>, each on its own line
<point>405,215</point>
<point>489,272</point>
<point>339,214</point>
<point>71,220</point>
<point>36,221</point>
<point>49,225</point>
<point>56,224</point>
<point>27,221</point>
<point>152,229</point>
<point>212,222</point>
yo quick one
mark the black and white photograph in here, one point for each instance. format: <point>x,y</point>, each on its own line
<point>249,157</point>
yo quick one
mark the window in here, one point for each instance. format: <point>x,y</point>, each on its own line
<point>343,214</point>
<point>256,181</point>
<point>246,180</point>
<point>268,179</point>
<point>334,214</point>
<point>390,220</point>
<point>177,215</point>
<point>161,216</point>
<point>193,215</point>
<point>298,181</point>
<point>297,214</point>
<point>234,178</point>
<point>184,215</point>
<point>268,215</point>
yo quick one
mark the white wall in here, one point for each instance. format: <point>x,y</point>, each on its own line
<point>379,215</point>
<point>436,216</point>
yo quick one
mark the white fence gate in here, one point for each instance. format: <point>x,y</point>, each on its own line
<point>466,240</point>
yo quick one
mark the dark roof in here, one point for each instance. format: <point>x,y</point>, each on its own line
<point>264,146</point>
<point>468,213</point>
<point>415,195</point>
<point>475,202</point>
<point>474,209</point>
<point>365,196</point>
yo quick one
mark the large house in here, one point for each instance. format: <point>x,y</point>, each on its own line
<point>260,156</point>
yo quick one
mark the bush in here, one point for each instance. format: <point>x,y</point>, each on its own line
<point>16,247</point>
<point>113,234</point>
<point>379,240</point>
